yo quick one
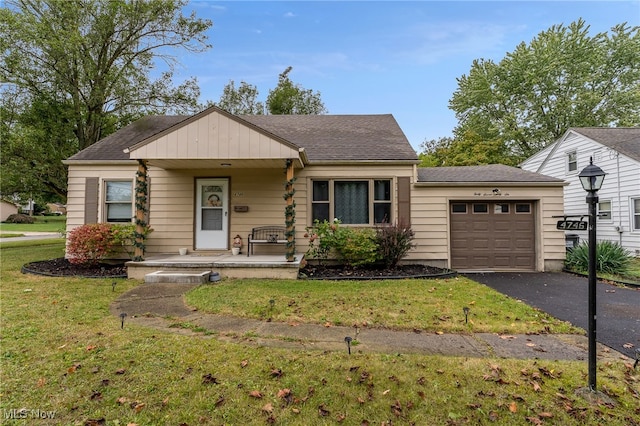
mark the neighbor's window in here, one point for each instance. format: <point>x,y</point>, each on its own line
<point>572,161</point>
<point>357,202</point>
<point>635,206</point>
<point>118,201</point>
<point>604,210</point>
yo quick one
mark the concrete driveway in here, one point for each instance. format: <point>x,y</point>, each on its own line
<point>565,296</point>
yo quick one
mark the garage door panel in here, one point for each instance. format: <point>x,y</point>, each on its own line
<point>498,239</point>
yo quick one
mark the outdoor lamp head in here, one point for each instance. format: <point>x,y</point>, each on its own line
<point>591,177</point>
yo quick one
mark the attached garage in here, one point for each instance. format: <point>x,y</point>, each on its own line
<point>492,235</point>
<point>487,218</point>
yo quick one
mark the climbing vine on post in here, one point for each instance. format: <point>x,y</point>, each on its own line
<point>290,212</point>
<point>142,227</point>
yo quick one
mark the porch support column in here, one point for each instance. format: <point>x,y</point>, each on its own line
<point>141,211</point>
<point>290,212</point>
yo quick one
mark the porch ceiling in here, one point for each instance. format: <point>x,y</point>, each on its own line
<point>222,163</point>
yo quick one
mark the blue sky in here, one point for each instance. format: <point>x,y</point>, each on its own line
<point>377,57</point>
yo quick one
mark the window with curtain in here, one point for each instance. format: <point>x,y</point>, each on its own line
<point>119,201</point>
<point>356,202</point>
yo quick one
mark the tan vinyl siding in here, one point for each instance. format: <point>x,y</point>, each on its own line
<point>214,136</point>
<point>430,220</point>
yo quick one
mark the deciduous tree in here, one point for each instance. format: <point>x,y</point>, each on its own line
<point>563,78</point>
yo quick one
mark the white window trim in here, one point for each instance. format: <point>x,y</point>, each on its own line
<point>105,202</point>
<point>372,200</point>
<point>566,162</point>
<point>610,218</point>
<point>632,215</point>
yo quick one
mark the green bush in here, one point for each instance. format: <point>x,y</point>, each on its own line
<point>611,258</point>
<point>394,242</point>
<point>351,246</point>
<point>20,218</point>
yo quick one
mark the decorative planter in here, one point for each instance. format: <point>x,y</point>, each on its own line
<point>235,251</point>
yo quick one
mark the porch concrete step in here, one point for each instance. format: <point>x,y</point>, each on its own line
<point>177,277</point>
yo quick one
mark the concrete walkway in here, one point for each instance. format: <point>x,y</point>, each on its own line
<point>160,305</point>
<point>29,236</point>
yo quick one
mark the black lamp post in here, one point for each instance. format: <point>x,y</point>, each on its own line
<point>591,178</point>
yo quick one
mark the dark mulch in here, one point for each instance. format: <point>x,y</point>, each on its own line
<point>61,267</point>
<point>401,271</point>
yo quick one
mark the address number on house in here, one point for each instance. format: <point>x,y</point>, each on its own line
<point>572,225</point>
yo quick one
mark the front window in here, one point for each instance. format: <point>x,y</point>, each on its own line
<point>635,205</point>
<point>604,210</point>
<point>355,202</point>
<point>118,201</point>
<point>572,162</point>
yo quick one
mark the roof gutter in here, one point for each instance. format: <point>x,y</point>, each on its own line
<point>492,183</point>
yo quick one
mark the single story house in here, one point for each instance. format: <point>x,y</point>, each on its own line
<point>617,152</point>
<point>214,175</point>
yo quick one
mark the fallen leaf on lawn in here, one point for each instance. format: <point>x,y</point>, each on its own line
<point>439,333</point>
<point>506,336</point>
<point>531,345</point>
<point>73,368</point>
<point>91,347</point>
<point>139,406</point>
<point>41,382</point>
<point>493,416</point>
<point>62,347</point>
<point>536,387</point>
<point>327,324</point>
<point>513,407</point>
<point>244,363</point>
<point>255,394</point>
<point>360,400</point>
<point>545,415</point>
<point>267,408</point>
<point>96,396</point>
<point>295,411</point>
<point>120,371</point>
<point>534,420</point>
<point>386,392</point>
<point>283,393</point>
<point>209,379</point>
<point>132,424</point>
<point>340,418</point>
<point>322,411</point>
<point>95,422</point>
<point>122,400</point>
<point>276,372</point>
<point>219,401</point>
<point>165,401</point>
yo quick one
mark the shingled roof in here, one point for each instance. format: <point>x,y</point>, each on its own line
<point>325,138</point>
<point>492,173</point>
<point>112,147</point>
<point>340,137</point>
<point>625,140</point>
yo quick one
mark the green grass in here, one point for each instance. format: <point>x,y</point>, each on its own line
<point>63,351</point>
<point>42,224</point>
<point>431,305</point>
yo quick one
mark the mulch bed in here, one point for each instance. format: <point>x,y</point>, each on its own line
<point>61,267</point>
<point>316,272</point>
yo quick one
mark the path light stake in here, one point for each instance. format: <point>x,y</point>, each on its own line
<point>466,314</point>
<point>113,286</point>
<point>348,340</point>
<point>122,317</point>
<point>272,303</point>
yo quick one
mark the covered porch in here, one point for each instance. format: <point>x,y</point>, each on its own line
<point>267,266</point>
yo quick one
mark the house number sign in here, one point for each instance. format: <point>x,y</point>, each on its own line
<point>572,225</point>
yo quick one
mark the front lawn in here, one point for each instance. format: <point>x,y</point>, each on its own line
<point>42,224</point>
<point>64,356</point>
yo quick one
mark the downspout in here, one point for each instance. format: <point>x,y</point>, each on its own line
<point>620,229</point>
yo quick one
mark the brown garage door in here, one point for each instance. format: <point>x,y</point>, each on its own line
<point>492,235</point>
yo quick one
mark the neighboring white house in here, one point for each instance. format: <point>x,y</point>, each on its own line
<point>617,152</point>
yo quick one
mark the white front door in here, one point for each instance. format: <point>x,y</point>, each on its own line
<point>212,214</point>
